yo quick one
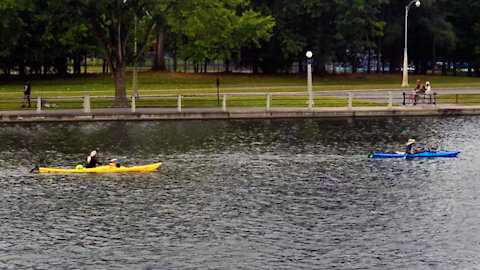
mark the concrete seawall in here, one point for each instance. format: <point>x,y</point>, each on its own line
<point>157,114</point>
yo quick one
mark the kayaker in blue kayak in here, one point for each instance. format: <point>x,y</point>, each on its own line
<point>410,146</point>
<point>92,160</point>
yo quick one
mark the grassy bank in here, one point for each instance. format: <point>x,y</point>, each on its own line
<point>151,83</point>
<point>192,102</point>
<point>181,83</point>
<point>462,99</point>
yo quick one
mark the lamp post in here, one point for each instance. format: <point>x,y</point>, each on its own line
<point>135,71</point>
<point>405,57</point>
<point>309,55</point>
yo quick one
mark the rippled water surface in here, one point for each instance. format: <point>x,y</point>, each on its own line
<point>252,194</point>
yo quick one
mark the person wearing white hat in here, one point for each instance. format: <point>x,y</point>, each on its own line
<point>410,146</point>
<point>92,160</point>
<point>428,91</point>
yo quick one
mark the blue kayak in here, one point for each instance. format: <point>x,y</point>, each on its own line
<point>424,154</point>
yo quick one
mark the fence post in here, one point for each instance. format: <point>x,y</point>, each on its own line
<point>179,103</point>
<point>39,104</point>
<point>86,103</point>
<point>133,103</point>
<point>350,97</point>
<point>390,99</point>
<point>224,102</point>
<point>435,98</point>
<point>268,101</point>
<point>404,97</point>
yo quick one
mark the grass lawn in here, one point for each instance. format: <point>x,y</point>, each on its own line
<point>193,102</point>
<point>154,83</point>
<point>184,83</point>
<point>462,99</point>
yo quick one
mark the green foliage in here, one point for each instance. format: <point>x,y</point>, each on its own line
<point>271,34</point>
<point>216,29</point>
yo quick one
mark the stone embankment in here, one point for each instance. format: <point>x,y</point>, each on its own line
<point>156,114</point>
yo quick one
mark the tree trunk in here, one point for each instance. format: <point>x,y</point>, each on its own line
<point>105,66</point>
<point>227,63</point>
<point>319,66</point>
<point>76,64</point>
<point>255,64</point>
<point>175,63</point>
<point>455,68</point>
<point>424,67</point>
<point>379,54</point>
<point>21,68</point>
<point>369,67</point>
<point>444,68</point>
<point>85,65</point>
<point>120,87</point>
<point>195,67</point>
<point>159,59</point>
<point>61,66</point>
<point>434,56</point>
<point>354,65</point>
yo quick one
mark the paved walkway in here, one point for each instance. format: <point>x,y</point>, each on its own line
<point>381,95</point>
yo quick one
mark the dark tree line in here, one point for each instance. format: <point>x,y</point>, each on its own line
<point>40,37</point>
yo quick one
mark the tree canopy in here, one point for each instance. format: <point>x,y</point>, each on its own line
<point>270,35</point>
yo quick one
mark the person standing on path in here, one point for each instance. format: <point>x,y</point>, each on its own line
<point>27,89</point>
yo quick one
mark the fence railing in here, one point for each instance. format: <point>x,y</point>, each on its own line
<point>238,100</point>
<point>414,99</point>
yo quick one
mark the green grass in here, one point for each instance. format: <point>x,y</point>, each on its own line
<point>181,83</point>
<point>194,102</point>
<point>256,101</point>
<point>462,99</point>
<point>153,83</point>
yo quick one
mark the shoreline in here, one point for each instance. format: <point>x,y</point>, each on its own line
<point>162,114</point>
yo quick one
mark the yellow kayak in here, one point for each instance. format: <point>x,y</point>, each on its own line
<point>104,169</point>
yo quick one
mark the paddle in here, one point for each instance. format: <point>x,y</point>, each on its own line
<point>34,169</point>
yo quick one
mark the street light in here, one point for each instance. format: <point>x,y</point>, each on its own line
<point>309,55</point>
<point>135,51</point>
<point>135,65</point>
<point>405,57</point>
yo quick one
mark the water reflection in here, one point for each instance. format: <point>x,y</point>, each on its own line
<point>250,194</point>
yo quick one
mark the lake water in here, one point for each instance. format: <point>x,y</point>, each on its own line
<point>249,194</point>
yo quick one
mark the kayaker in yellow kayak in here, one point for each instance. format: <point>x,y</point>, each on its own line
<point>92,160</point>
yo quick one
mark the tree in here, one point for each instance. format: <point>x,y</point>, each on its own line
<point>112,23</point>
<point>159,58</point>
<point>13,45</point>
<point>465,20</point>
<point>358,25</point>
<point>216,29</point>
